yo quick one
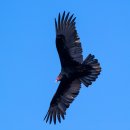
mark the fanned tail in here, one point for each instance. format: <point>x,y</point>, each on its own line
<point>93,70</point>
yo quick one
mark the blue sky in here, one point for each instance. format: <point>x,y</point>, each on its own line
<point>29,64</point>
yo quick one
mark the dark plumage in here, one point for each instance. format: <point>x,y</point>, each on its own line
<point>74,70</point>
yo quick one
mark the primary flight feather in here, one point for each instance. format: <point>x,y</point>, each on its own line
<point>74,70</point>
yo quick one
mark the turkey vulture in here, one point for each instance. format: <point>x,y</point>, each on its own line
<point>74,70</point>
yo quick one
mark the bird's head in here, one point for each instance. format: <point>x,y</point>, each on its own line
<point>59,77</point>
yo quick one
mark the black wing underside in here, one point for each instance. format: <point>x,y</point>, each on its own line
<point>65,25</point>
<point>62,99</point>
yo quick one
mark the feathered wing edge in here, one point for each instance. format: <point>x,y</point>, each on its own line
<point>65,25</point>
<point>61,101</point>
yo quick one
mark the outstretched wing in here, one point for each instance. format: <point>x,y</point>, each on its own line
<point>64,95</point>
<point>65,26</point>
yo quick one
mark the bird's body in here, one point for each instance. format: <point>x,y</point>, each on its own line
<point>74,70</point>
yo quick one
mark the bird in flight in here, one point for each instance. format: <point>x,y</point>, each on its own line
<point>74,70</point>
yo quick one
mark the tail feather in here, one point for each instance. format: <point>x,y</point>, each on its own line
<point>94,70</point>
<point>85,81</point>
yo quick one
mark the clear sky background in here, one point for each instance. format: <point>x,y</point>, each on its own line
<point>29,64</point>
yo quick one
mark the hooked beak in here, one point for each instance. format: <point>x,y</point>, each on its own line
<point>56,81</point>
